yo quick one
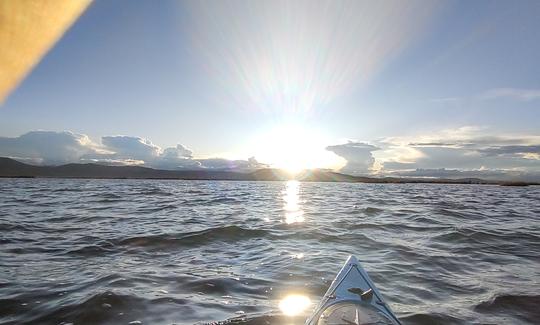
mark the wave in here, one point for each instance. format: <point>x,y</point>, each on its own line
<point>468,235</point>
<point>203,237</point>
<point>152,192</point>
<point>189,252</point>
<point>259,319</point>
<point>211,201</point>
<point>101,308</point>
<point>226,285</point>
<point>392,227</point>
<point>430,319</point>
<point>173,241</point>
<point>67,189</point>
<point>521,307</point>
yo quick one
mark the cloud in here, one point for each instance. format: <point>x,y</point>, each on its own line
<point>178,157</point>
<point>462,152</point>
<point>55,148</point>
<point>511,93</point>
<point>220,163</point>
<point>131,147</point>
<point>469,158</point>
<point>487,174</point>
<point>46,147</point>
<point>515,94</point>
<point>511,150</point>
<point>358,155</point>
<point>431,144</point>
<point>179,152</point>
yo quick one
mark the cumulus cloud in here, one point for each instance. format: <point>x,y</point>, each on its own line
<point>46,147</point>
<point>179,152</point>
<point>137,149</point>
<point>178,157</point>
<point>55,148</point>
<point>358,155</point>
<point>131,147</point>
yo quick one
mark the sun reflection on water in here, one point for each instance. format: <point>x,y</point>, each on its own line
<point>294,304</point>
<point>291,205</point>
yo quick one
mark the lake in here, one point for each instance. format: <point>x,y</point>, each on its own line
<point>192,252</point>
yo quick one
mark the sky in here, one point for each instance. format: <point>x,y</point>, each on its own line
<point>416,88</point>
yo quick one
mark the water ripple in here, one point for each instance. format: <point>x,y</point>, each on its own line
<point>197,252</point>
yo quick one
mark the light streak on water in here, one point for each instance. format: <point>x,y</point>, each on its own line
<point>292,207</point>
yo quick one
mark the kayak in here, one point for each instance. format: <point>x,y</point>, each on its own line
<point>352,299</point>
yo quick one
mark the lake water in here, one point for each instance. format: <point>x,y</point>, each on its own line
<point>191,252</point>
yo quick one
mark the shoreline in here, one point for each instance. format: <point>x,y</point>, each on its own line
<point>400,181</point>
<point>10,168</point>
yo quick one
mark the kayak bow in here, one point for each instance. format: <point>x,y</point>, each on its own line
<point>352,299</point>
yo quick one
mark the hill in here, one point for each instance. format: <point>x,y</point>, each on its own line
<point>13,168</point>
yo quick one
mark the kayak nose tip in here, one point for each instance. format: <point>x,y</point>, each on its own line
<point>352,260</point>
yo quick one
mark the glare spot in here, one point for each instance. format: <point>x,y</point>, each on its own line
<point>298,256</point>
<point>294,305</point>
<point>293,147</point>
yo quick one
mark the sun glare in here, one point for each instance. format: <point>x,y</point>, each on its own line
<point>294,305</point>
<point>291,198</point>
<point>294,148</point>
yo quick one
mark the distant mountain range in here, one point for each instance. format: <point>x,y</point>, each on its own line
<point>13,168</point>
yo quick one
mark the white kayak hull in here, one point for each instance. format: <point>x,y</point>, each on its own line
<point>352,298</point>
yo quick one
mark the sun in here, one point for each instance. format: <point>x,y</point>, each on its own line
<point>294,148</point>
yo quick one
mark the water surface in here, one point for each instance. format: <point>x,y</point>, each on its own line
<point>190,252</point>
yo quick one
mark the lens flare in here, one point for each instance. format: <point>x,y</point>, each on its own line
<point>294,305</point>
<point>291,56</point>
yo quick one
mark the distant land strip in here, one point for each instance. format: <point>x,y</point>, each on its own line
<point>10,168</point>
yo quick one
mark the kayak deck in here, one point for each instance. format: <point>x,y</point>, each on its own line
<point>352,298</point>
